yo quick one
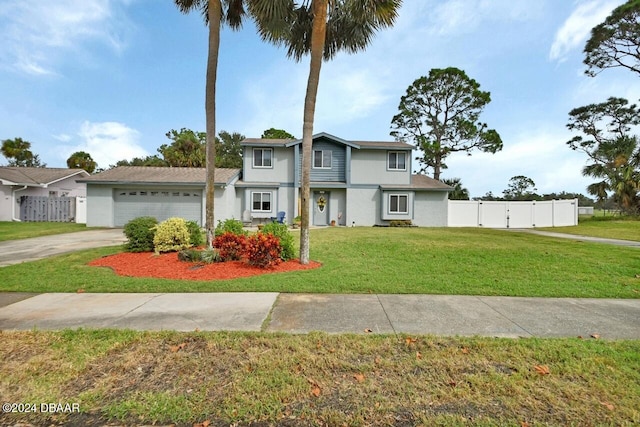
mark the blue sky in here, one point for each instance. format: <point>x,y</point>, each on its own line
<point>111,77</point>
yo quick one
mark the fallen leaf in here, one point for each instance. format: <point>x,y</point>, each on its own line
<point>378,360</point>
<point>418,355</point>
<point>408,341</point>
<point>524,424</point>
<point>80,291</point>
<point>452,383</point>
<point>465,350</point>
<point>368,331</point>
<point>542,369</point>
<point>608,405</point>
<point>595,336</point>
<point>206,423</point>
<point>316,391</point>
<point>359,377</point>
<point>176,348</point>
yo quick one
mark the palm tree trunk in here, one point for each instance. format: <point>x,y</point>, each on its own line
<point>318,35</point>
<point>215,16</point>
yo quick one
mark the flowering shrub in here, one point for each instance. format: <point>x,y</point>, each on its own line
<point>171,235</point>
<point>263,250</point>
<point>231,246</point>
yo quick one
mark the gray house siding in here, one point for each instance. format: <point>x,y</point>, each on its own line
<point>370,167</point>
<point>431,209</point>
<point>281,169</point>
<point>336,173</point>
<point>100,206</point>
<point>363,206</point>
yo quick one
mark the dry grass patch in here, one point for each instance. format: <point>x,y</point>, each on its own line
<point>270,379</point>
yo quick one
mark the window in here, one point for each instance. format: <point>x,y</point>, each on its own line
<point>398,203</point>
<point>261,202</point>
<point>262,157</point>
<point>397,160</point>
<point>322,159</point>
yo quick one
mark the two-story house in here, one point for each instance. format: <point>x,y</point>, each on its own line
<point>359,183</point>
<point>352,182</point>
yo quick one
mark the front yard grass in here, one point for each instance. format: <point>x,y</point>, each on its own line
<point>613,227</point>
<point>463,261</point>
<point>25,230</point>
<point>217,378</point>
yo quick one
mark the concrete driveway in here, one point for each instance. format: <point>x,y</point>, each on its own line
<point>18,251</point>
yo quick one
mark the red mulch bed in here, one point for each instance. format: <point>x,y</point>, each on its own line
<point>167,266</point>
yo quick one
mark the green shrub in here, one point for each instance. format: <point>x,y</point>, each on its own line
<point>233,226</point>
<point>263,250</point>
<point>171,235</point>
<point>195,233</point>
<point>281,231</point>
<point>400,223</point>
<point>207,256</point>
<point>232,247</point>
<point>140,232</point>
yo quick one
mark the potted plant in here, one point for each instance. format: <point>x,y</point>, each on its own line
<point>297,221</point>
<point>333,222</point>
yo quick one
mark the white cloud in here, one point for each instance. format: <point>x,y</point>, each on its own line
<point>455,17</point>
<point>538,154</point>
<point>107,142</point>
<point>576,29</point>
<point>35,33</point>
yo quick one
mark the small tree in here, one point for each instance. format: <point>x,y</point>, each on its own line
<point>273,133</point>
<point>520,188</point>
<point>615,42</point>
<point>81,160</point>
<point>439,114</point>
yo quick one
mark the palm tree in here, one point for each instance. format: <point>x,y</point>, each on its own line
<point>320,28</point>
<point>215,12</point>
<point>459,192</point>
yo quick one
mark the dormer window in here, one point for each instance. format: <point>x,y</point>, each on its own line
<point>397,160</point>
<point>322,159</point>
<point>262,157</point>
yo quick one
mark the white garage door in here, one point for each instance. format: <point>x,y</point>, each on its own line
<point>158,203</point>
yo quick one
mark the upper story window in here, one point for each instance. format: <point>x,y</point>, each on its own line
<point>398,203</point>
<point>262,157</point>
<point>322,159</point>
<point>397,160</point>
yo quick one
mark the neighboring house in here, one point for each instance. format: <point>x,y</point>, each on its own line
<point>16,182</point>
<point>352,183</point>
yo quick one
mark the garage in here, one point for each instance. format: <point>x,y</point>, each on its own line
<point>118,195</point>
<point>130,203</point>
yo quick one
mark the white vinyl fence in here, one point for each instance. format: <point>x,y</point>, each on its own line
<point>502,214</point>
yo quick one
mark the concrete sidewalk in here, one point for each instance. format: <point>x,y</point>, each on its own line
<point>18,251</point>
<point>301,313</point>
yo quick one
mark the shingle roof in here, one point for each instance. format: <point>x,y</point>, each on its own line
<point>160,175</point>
<point>37,176</point>
<point>420,182</point>
<point>391,145</point>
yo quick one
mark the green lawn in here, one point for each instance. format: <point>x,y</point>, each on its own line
<point>144,378</point>
<point>607,227</point>
<point>387,260</point>
<point>24,230</point>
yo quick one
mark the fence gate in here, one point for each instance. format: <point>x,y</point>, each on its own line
<point>47,209</point>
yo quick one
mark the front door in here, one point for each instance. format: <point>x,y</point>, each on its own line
<point>320,208</point>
